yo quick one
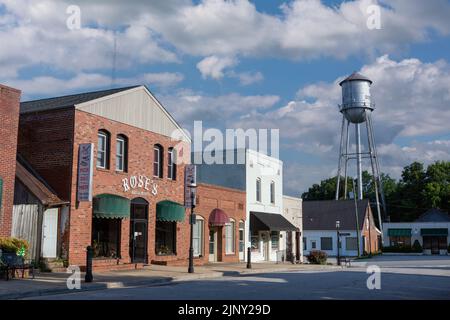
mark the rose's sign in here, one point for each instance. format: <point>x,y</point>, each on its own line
<point>139,182</point>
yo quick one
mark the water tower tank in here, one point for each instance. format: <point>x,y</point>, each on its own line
<point>356,97</point>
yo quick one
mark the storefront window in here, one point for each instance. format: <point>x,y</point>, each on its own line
<point>255,241</point>
<point>400,241</point>
<point>165,238</point>
<point>106,237</point>
<point>198,237</point>
<point>229,236</point>
<point>275,239</point>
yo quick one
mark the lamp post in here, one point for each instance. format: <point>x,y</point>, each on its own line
<point>338,224</point>
<point>192,187</point>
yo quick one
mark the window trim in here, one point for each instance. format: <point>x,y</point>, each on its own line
<point>171,165</point>
<point>107,144</point>
<point>201,237</point>
<point>258,189</point>
<point>230,226</point>
<point>159,160</point>
<point>124,155</point>
<point>272,192</point>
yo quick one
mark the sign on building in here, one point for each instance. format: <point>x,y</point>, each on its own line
<point>190,177</point>
<point>85,172</point>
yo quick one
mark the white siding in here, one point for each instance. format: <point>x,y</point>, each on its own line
<point>135,107</point>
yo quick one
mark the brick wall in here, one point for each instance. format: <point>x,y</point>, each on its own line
<point>9,120</point>
<point>371,233</point>
<point>45,141</point>
<point>232,202</point>
<point>140,162</point>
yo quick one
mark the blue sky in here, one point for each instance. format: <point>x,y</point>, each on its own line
<point>257,64</point>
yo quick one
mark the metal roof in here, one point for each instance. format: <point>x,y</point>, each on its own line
<point>355,76</point>
<point>67,101</point>
<point>434,215</point>
<point>322,215</point>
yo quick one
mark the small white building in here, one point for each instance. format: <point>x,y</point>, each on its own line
<point>292,211</point>
<point>261,177</point>
<point>320,232</point>
<point>430,230</point>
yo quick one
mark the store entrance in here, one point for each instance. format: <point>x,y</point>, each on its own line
<point>138,230</point>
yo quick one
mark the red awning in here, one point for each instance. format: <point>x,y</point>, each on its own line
<point>218,218</point>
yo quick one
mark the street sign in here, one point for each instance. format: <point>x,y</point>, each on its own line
<point>85,171</point>
<point>190,176</point>
<point>344,234</point>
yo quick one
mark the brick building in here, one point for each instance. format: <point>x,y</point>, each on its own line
<point>111,156</point>
<point>9,120</point>
<point>219,232</point>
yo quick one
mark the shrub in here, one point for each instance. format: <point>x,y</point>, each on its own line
<point>14,245</point>
<point>317,257</point>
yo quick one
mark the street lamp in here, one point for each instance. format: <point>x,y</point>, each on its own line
<point>192,187</point>
<point>338,225</point>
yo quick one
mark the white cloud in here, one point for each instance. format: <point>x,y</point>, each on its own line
<point>214,66</point>
<point>247,78</point>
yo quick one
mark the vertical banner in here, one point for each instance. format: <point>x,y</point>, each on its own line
<point>85,172</point>
<point>190,176</point>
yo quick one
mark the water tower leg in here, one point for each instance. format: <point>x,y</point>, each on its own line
<point>358,159</point>
<point>375,172</point>
<point>347,142</point>
<point>338,178</point>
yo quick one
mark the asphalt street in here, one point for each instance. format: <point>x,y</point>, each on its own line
<point>400,278</point>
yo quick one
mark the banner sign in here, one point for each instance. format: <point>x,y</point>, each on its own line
<point>85,171</point>
<point>190,176</point>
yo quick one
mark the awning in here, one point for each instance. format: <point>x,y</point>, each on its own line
<point>218,218</point>
<point>261,221</point>
<point>167,210</point>
<point>434,232</point>
<point>111,206</point>
<point>399,232</point>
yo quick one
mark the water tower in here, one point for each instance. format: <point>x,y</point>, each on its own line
<point>357,109</point>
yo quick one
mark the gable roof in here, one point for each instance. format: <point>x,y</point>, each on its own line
<point>67,101</point>
<point>322,215</point>
<point>36,185</point>
<point>434,215</point>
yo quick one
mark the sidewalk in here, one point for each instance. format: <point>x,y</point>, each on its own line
<point>152,275</point>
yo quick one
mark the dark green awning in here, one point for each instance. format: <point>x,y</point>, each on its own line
<point>111,206</point>
<point>399,232</point>
<point>167,210</point>
<point>434,232</point>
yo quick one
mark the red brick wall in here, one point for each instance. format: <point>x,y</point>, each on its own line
<point>9,120</point>
<point>140,161</point>
<point>371,233</point>
<point>232,202</point>
<point>45,141</point>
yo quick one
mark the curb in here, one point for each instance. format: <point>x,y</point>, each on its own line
<point>146,283</point>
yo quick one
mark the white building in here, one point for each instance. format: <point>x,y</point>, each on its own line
<point>320,232</point>
<point>261,177</point>
<point>292,211</point>
<point>430,230</point>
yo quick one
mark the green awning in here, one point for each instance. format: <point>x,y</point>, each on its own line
<point>399,232</point>
<point>167,210</point>
<point>434,232</point>
<point>111,206</point>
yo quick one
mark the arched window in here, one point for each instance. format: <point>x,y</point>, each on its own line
<point>272,192</point>
<point>230,237</point>
<point>122,153</point>
<point>158,153</point>
<point>171,164</point>
<point>258,189</point>
<point>103,149</point>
